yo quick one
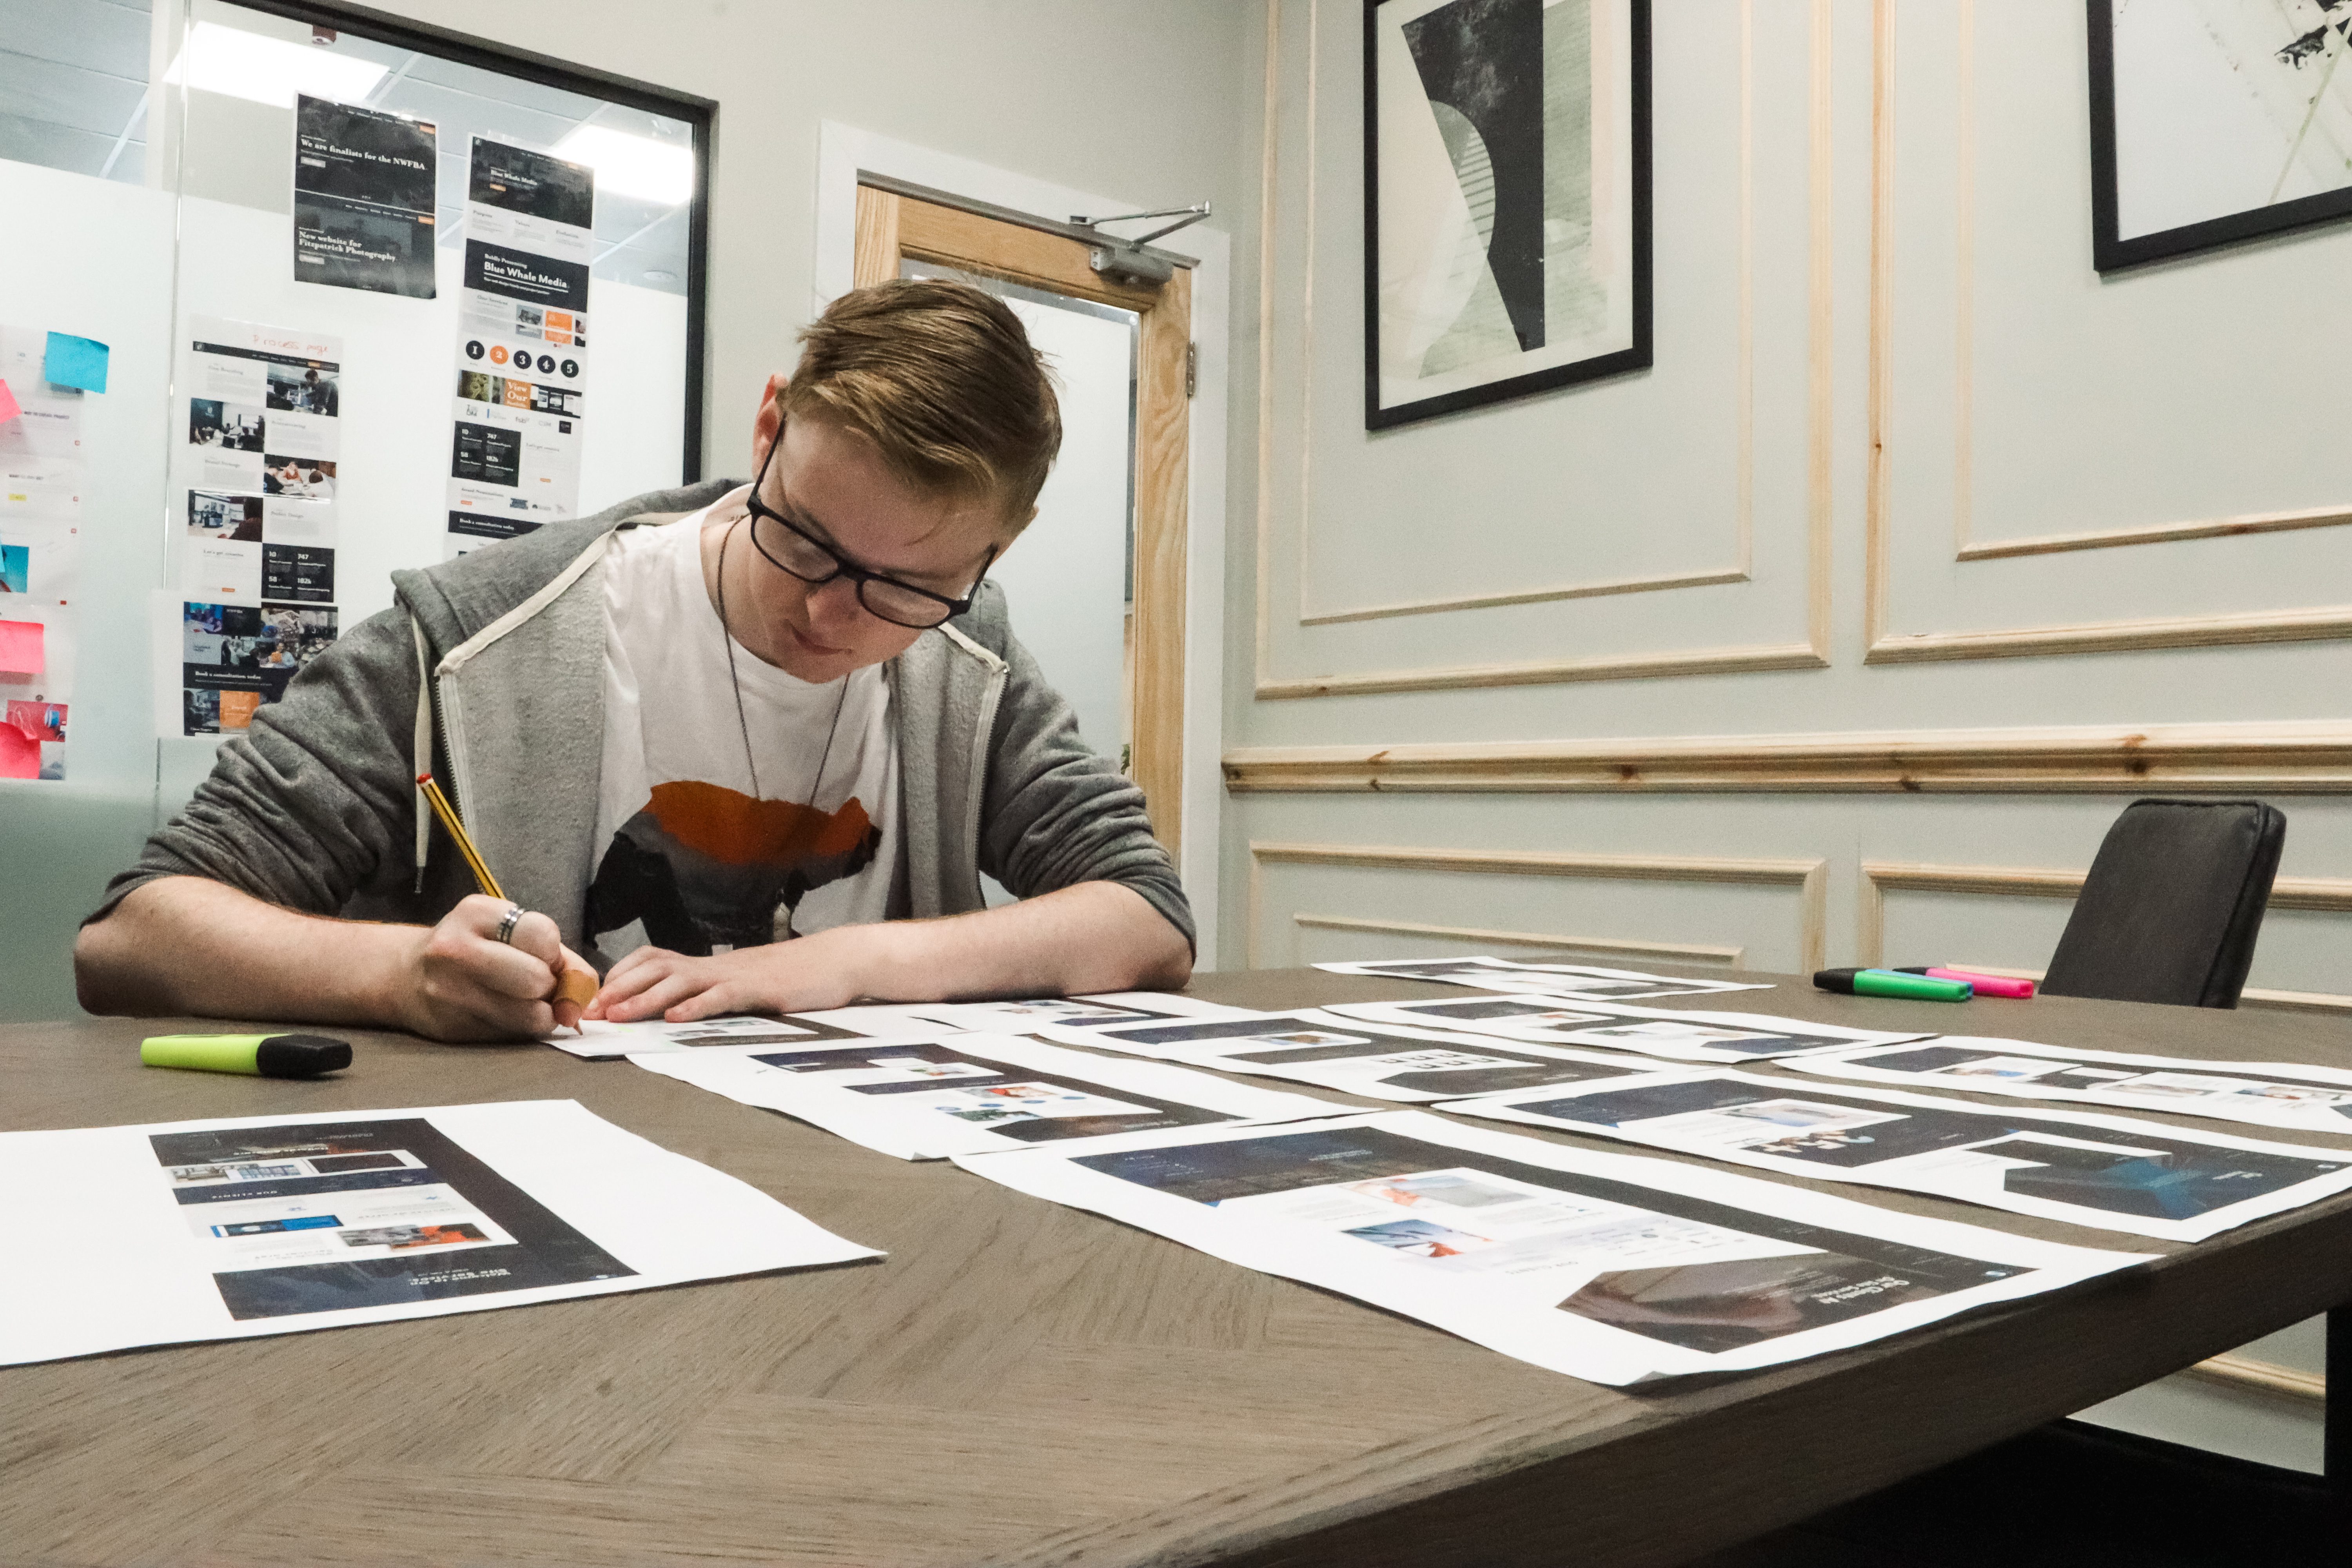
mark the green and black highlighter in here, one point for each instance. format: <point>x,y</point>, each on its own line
<point>262,1056</point>
<point>1893,982</point>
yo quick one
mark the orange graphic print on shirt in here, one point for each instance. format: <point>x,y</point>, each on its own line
<point>704,866</point>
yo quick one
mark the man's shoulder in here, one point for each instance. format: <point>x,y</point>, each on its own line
<point>457,598</point>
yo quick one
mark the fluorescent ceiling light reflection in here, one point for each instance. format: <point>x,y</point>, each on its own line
<point>631,165</point>
<point>269,70</point>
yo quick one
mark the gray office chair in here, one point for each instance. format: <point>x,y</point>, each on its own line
<point>2169,913</point>
<point>2173,904</point>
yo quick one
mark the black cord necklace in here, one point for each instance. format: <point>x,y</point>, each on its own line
<point>727,640</point>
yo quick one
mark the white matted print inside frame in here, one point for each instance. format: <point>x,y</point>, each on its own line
<point>2214,122</point>
<point>1506,199</point>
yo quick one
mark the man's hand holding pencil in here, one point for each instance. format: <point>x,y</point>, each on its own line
<point>491,966</point>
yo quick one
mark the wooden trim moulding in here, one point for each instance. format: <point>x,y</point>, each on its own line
<point>2156,532</point>
<point>1808,876</point>
<point>2268,1376</point>
<point>2312,757</point>
<point>1673,952</point>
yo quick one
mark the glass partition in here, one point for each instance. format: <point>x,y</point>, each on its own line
<point>292,300</point>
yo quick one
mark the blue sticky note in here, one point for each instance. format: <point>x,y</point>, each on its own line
<point>75,362</point>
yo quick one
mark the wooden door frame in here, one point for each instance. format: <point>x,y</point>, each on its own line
<point>891,228</point>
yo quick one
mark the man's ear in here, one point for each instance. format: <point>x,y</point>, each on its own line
<point>771,421</point>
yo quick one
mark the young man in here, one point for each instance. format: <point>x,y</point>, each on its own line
<point>722,755</point>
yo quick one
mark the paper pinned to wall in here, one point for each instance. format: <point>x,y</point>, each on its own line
<point>41,483</point>
<point>260,484</point>
<point>521,360</point>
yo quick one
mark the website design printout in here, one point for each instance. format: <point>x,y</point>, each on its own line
<point>2109,1172</point>
<point>519,415</point>
<point>1648,1031</point>
<point>1379,1062</point>
<point>1604,1267</point>
<point>883,1020</point>
<point>1555,979</point>
<point>2266,1094</point>
<point>598,1040</point>
<point>231,1228</point>
<point>967,1093</point>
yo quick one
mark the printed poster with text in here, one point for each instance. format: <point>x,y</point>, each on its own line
<point>523,345</point>
<point>43,450</point>
<point>363,186</point>
<point>259,481</point>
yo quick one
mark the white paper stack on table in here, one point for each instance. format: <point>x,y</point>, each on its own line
<point>1604,1267</point>
<point>961,1093</point>
<point>878,1020</point>
<point>274,1224</point>
<point>1377,1061</point>
<point>1554,978</point>
<point>1544,1019</point>
<point>2266,1094</point>
<point>1016,1017</point>
<point>2110,1172</point>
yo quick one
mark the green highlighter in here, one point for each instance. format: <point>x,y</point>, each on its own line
<point>263,1055</point>
<point>1893,982</point>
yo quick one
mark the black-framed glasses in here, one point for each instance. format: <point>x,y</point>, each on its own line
<point>804,555</point>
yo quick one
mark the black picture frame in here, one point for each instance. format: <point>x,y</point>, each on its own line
<point>2112,252</point>
<point>702,114</point>
<point>1638,355</point>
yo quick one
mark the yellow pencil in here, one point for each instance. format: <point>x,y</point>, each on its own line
<point>449,816</point>
<point>572,986</point>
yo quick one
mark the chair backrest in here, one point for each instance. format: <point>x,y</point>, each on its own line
<point>2173,904</point>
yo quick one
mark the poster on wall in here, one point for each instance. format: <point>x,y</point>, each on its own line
<point>43,453</point>
<point>2214,122</point>
<point>363,185</point>
<point>259,482</point>
<point>521,363</point>
<point>1506,207</point>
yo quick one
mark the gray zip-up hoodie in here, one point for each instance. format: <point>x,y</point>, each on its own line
<point>490,671</point>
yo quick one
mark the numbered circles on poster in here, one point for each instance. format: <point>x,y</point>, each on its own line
<point>474,349</point>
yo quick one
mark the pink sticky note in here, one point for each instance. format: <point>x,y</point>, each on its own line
<point>20,754</point>
<point>20,648</point>
<point>9,409</point>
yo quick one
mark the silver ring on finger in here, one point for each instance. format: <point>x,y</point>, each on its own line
<point>506,923</point>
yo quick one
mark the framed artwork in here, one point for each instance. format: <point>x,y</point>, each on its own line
<point>2214,122</point>
<point>1506,199</point>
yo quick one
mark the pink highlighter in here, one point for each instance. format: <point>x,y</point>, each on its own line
<point>1986,985</point>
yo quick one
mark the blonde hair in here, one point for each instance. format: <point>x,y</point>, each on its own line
<point>941,378</point>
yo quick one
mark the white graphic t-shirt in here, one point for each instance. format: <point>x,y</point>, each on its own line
<point>700,849</point>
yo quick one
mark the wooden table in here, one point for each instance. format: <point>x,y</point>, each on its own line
<point>1023,1383</point>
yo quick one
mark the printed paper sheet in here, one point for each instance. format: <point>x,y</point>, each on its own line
<point>1604,1267</point>
<point>1377,1061</point>
<point>2266,1094</point>
<point>273,1225</point>
<point>2110,1172</point>
<point>521,372</point>
<point>44,456</point>
<point>966,1093</point>
<point>1555,979</point>
<point>1544,1019</point>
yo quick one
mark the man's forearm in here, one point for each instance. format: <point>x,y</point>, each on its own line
<point>184,945</point>
<point>1096,936</point>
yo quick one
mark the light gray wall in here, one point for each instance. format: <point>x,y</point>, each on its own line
<point>2010,383</point>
